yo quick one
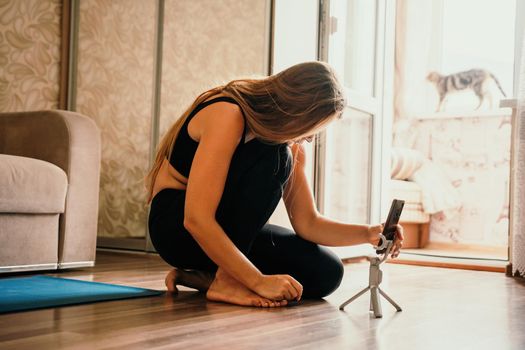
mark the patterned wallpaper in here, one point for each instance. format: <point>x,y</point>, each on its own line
<point>207,43</point>
<point>115,83</point>
<point>29,54</point>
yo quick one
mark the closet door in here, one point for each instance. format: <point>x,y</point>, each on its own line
<point>114,86</point>
<point>207,43</point>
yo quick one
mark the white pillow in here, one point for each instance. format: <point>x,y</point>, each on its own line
<point>405,162</point>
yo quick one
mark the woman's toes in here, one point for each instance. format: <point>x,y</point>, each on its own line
<point>267,303</point>
<point>171,281</point>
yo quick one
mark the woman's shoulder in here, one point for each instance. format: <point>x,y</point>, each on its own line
<point>222,117</point>
<point>221,99</point>
<point>224,104</point>
<point>226,109</point>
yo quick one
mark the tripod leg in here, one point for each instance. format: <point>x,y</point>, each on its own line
<point>353,298</point>
<point>376,302</point>
<point>398,308</point>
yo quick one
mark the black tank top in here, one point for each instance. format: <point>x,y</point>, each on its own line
<point>185,147</point>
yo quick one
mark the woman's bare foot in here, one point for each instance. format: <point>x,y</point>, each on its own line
<point>171,281</point>
<point>196,279</point>
<point>226,289</point>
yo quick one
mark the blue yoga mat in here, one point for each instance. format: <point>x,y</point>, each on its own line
<point>37,292</point>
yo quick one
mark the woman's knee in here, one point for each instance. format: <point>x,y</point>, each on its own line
<point>329,275</point>
<point>278,250</point>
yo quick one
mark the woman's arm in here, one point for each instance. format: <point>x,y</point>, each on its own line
<point>312,226</point>
<point>220,133</point>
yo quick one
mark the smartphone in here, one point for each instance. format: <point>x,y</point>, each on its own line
<point>389,230</point>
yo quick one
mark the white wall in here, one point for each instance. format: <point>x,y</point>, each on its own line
<point>295,41</point>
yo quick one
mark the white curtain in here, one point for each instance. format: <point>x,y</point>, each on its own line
<point>518,176</point>
<point>418,29</point>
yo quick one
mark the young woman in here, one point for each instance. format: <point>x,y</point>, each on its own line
<point>219,173</point>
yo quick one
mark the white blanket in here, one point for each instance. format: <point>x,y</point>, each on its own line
<point>438,194</point>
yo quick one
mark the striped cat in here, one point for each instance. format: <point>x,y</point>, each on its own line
<point>474,79</point>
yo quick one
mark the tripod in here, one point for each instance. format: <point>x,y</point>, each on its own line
<point>374,280</point>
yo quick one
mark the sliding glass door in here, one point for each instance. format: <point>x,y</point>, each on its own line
<point>357,41</point>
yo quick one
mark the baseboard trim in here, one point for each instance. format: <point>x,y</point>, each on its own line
<point>508,270</point>
<point>128,243</point>
<point>449,265</point>
<point>355,259</point>
<point>75,264</point>
<point>20,268</point>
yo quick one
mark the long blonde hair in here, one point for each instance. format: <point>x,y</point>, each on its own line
<point>280,108</point>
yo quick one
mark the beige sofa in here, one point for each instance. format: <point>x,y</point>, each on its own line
<point>49,186</point>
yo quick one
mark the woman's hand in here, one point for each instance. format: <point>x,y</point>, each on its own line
<point>398,242</point>
<point>279,287</point>
<point>374,232</point>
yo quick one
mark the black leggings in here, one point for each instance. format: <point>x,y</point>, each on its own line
<point>253,188</point>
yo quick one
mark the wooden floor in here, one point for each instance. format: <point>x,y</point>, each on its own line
<point>442,309</point>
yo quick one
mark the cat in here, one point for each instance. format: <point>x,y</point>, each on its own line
<point>473,79</point>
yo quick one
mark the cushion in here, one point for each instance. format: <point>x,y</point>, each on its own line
<point>404,162</point>
<point>408,191</point>
<point>29,185</point>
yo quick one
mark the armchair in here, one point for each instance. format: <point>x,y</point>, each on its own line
<point>49,188</point>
